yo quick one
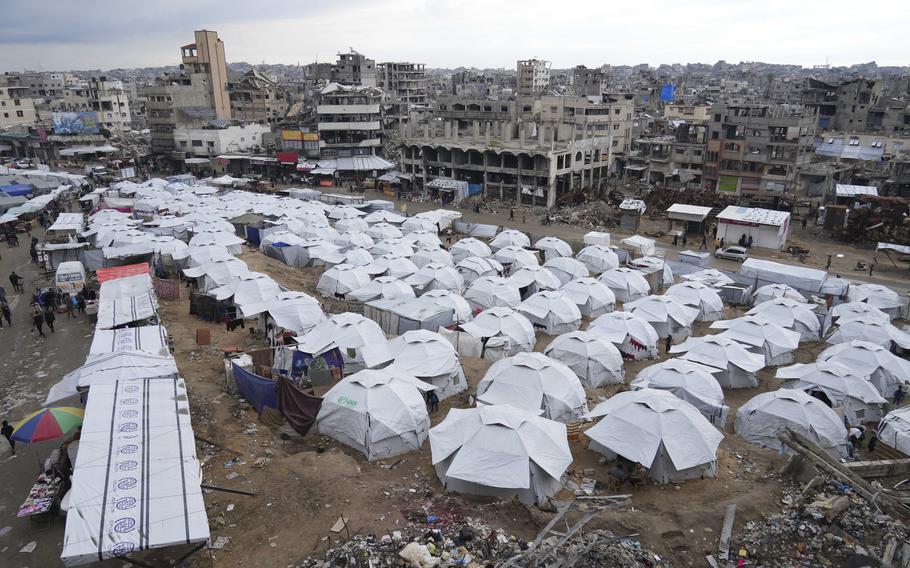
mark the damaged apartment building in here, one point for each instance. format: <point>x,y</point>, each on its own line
<point>674,157</point>
<point>532,151</point>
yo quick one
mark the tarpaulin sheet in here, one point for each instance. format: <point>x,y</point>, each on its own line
<point>105,274</point>
<point>258,391</point>
<point>298,408</point>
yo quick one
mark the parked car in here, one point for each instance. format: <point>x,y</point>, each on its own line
<point>739,254</point>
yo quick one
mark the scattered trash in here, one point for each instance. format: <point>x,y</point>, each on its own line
<point>30,547</point>
<point>219,542</point>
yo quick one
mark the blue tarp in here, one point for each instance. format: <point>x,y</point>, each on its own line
<point>668,93</point>
<point>258,391</point>
<point>17,190</point>
<point>252,235</point>
<point>475,188</point>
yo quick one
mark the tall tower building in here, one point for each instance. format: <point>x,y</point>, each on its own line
<point>206,55</point>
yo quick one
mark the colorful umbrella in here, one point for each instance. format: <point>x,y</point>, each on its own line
<point>47,424</point>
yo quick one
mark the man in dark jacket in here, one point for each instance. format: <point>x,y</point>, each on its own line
<point>50,317</point>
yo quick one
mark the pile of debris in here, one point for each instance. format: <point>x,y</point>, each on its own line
<point>592,215</point>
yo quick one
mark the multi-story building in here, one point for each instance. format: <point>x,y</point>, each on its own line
<point>16,106</point>
<point>674,159</point>
<point>533,76</point>
<point>471,84</point>
<point>110,102</point>
<point>178,101</point>
<point>756,148</point>
<point>257,98</point>
<point>206,56</point>
<point>691,113</point>
<point>354,69</point>
<point>403,83</point>
<point>210,142</point>
<point>349,120</point>
<point>593,82</point>
<point>579,118</point>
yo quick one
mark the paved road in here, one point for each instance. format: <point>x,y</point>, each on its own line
<point>29,366</point>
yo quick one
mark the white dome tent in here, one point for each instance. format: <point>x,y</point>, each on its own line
<point>634,337</point>
<point>710,276</point>
<point>357,257</point>
<point>690,382</point>
<point>384,288</point>
<point>853,310</point>
<point>414,224</point>
<point>492,291</point>
<point>473,267</point>
<point>425,256</point>
<point>510,238</point>
<point>429,357</point>
<point>771,291</point>
<point>764,416</point>
<point>879,296</point>
<point>469,247</point>
<point>512,258</point>
<point>841,386</point>
<point>355,239</point>
<point>553,248</point>
<point>394,247</point>
<point>361,340</point>
<point>566,269</point>
<point>341,280</point>
<point>534,382</point>
<point>249,290</point>
<point>593,359</point>
<point>598,258</point>
<point>735,367</point>
<point>762,336</point>
<point>871,329</point>
<point>894,429</point>
<point>217,272</point>
<point>436,276</point>
<point>700,296</point>
<point>295,312</point>
<point>663,433</point>
<point>885,369</point>
<point>790,314</point>
<point>382,231</point>
<point>627,285</point>
<point>669,317</point>
<point>500,451</point>
<point>391,265</point>
<point>551,311</point>
<point>593,297</point>
<point>422,239</point>
<point>380,413</point>
<point>506,332</point>
<point>460,307</point>
<point>383,216</point>
<point>532,279</point>
<point>352,225</point>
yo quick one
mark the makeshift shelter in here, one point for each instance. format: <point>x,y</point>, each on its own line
<point>357,257</point>
<point>762,418</point>
<point>762,336</point>
<point>352,225</point>
<point>382,231</point>
<point>383,288</point>
<point>627,284</point>
<point>341,280</point>
<point>513,257</point>
<point>431,358</point>
<point>710,276</point>
<point>290,314</point>
<point>598,258</point>
<point>391,265</point>
<point>108,368</point>
<point>492,291</point>
<point>422,239</point>
<point>837,386</point>
<point>772,291</point>
<point>398,315</point>
<point>436,276</point>
<point>551,311</point>
<point>425,256</point>
<point>250,291</point>
<point>592,296</point>
<point>217,272</point>
<point>345,240</point>
<point>360,340</point>
<point>689,381</point>
<point>655,270</point>
<point>533,279</point>
<point>663,433</point>
<point>790,314</point>
<point>150,339</point>
<point>869,329</point>
<point>394,247</point>
<point>553,248</point>
<point>510,238</point>
<point>380,413</point>
<point>412,224</point>
<point>203,254</point>
<point>885,369</point>
<point>593,359</point>
<point>448,299</point>
<point>854,310</point>
<point>638,245</point>
<point>534,382</point>
<point>503,332</point>
<point>768,228</point>
<point>666,315</point>
<point>733,365</point>
<point>229,241</point>
<point>383,216</point>
<point>894,430</point>
<point>500,451</point>
<point>700,296</point>
<point>634,337</point>
<point>879,296</point>
<point>566,269</point>
<point>473,267</point>
<point>116,311</point>
<point>469,247</point>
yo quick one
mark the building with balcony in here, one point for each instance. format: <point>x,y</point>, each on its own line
<point>206,56</point>
<point>349,120</point>
<point>211,142</point>
<point>177,101</point>
<point>16,106</point>
<point>533,76</point>
<point>590,81</point>
<point>110,102</point>
<point>354,68</point>
<point>257,98</point>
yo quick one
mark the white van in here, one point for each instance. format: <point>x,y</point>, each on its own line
<point>70,277</point>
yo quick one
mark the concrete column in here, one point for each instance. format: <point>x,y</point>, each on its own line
<point>487,128</point>
<point>448,127</point>
<point>455,130</point>
<point>476,128</point>
<point>540,135</point>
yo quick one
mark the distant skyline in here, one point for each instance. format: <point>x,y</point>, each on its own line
<point>58,35</point>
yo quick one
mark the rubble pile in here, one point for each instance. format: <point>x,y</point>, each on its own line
<point>824,524</point>
<point>591,215</point>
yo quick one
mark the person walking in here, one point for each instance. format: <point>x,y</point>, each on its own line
<point>7,313</point>
<point>16,281</point>
<point>80,302</point>
<point>7,432</point>
<point>434,402</point>
<point>71,303</point>
<point>685,239</point>
<point>38,319</point>
<point>899,395</point>
<point>704,243</point>
<point>50,317</point>
<point>512,214</point>
<point>668,343</point>
<point>720,244</point>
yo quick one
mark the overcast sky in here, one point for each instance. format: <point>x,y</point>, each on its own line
<point>103,34</point>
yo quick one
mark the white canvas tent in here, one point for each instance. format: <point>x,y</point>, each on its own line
<point>341,280</point>
<point>881,297</point>
<point>380,413</point>
<point>894,430</point>
<point>566,269</point>
<point>510,237</point>
<point>639,245</point>
<point>627,284</point>
<point>361,341</point>
<point>668,317</point>
<point>217,272</point>
<point>790,314</point>
<point>710,276</point>
<point>598,259</point>
<point>762,336</point>
<point>634,337</point>
<point>513,258</point>
<point>391,265</point>
<point>840,385</point>
<point>593,297</point>
<point>593,359</point>
<point>532,279</point>
<point>553,248</point>
<point>767,414</point>
<point>733,365</point>
<point>290,312</point>
<point>436,276</point>
<point>473,267</point>
<point>854,310</point>
<point>506,332</point>
<point>425,256</point>
<point>469,247</point>
<point>431,358</point>
<point>500,451</point>
<point>771,291</point>
<point>382,231</point>
<point>700,296</point>
<point>551,311</point>
<point>446,298</point>
<point>491,292</point>
<point>385,288</point>
<point>663,433</point>
<point>123,310</point>
<point>871,329</point>
<point>150,339</point>
<point>691,382</point>
<point>885,369</point>
<point>395,247</point>
<point>250,292</point>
